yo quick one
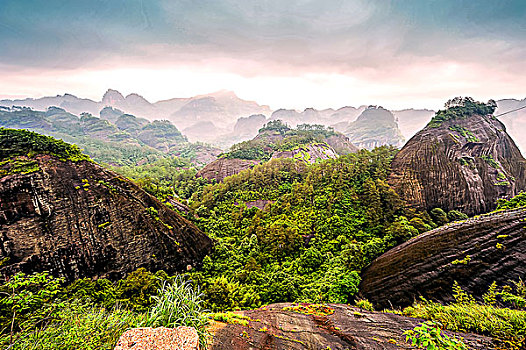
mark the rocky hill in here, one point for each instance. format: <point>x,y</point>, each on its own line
<point>115,138</point>
<point>463,159</point>
<point>62,213</point>
<point>307,143</point>
<point>475,253</point>
<point>375,127</point>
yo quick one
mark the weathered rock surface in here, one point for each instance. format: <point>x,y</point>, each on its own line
<point>180,338</point>
<point>474,253</point>
<point>464,164</point>
<point>341,144</point>
<point>224,167</point>
<point>348,327</point>
<point>81,220</point>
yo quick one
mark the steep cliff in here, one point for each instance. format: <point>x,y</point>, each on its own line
<point>69,216</point>
<point>463,159</point>
<point>475,253</point>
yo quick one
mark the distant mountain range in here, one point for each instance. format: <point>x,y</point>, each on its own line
<point>223,119</point>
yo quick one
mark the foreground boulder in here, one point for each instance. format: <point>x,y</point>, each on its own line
<point>180,338</point>
<point>77,219</point>
<point>335,327</point>
<point>462,160</point>
<point>475,253</point>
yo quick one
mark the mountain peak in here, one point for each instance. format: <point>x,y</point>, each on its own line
<point>111,97</point>
<point>462,160</point>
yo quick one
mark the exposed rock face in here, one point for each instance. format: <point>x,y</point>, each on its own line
<point>311,153</point>
<point>348,327</point>
<point>464,164</point>
<point>341,144</point>
<point>180,338</point>
<point>429,264</point>
<point>81,220</point>
<point>224,167</point>
<point>375,127</point>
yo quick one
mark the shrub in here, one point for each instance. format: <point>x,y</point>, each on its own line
<point>178,304</point>
<point>429,336</point>
<point>79,326</point>
<point>438,216</point>
<point>26,300</point>
<point>455,215</point>
<point>364,304</point>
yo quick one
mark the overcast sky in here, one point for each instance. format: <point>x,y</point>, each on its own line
<point>285,53</point>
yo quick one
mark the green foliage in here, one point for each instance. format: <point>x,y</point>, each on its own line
<point>460,108</point>
<point>128,142</point>
<point>463,261</point>
<point>465,133</point>
<point>439,216</point>
<point>15,142</point>
<point>489,159</point>
<point>178,304</point>
<point>229,317</point>
<point>507,326</point>
<point>165,178</point>
<point>77,326</point>
<point>28,299</point>
<point>364,304</point>
<point>461,297</point>
<point>263,146</point>
<point>38,312</point>
<point>456,215</point>
<point>275,125</point>
<point>518,201</point>
<point>18,165</point>
<point>322,224</point>
<point>429,336</point>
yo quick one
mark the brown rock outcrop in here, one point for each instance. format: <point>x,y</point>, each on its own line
<point>464,164</point>
<point>180,338</point>
<point>224,167</point>
<point>272,327</point>
<point>475,253</point>
<point>81,220</point>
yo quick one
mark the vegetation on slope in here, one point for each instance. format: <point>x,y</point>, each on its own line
<point>276,136</point>
<point>15,142</point>
<point>462,107</point>
<point>501,316</point>
<point>323,223</point>
<point>38,312</point>
<point>165,177</point>
<point>128,142</point>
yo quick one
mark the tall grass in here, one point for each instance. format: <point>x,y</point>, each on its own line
<point>507,326</point>
<point>179,304</point>
<point>81,326</point>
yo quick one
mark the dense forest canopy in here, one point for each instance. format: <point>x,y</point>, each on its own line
<point>320,226</point>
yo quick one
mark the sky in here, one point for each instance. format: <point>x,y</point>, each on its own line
<point>286,54</point>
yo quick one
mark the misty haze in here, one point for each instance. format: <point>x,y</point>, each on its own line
<point>262,174</point>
